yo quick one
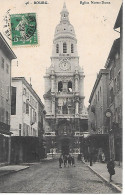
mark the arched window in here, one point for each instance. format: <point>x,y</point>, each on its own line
<point>64,109</point>
<point>64,48</point>
<point>72,48</point>
<point>60,86</point>
<point>57,48</point>
<point>69,86</point>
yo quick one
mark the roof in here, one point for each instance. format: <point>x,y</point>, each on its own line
<point>101,72</point>
<point>118,22</point>
<point>6,48</point>
<point>29,86</point>
<point>115,48</point>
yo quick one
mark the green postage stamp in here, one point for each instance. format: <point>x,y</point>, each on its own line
<point>23,29</point>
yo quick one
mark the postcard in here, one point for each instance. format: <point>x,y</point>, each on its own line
<point>61,96</point>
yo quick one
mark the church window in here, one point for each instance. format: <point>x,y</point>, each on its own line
<point>27,108</point>
<point>64,48</point>
<point>60,86</point>
<point>69,86</point>
<point>64,109</point>
<point>57,48</point>
<point>72,48</point>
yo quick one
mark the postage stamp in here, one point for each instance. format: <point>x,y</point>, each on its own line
<point>23,29</point>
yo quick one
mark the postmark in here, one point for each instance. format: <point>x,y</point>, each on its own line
<point>6,25</point>
<point>23,29</point>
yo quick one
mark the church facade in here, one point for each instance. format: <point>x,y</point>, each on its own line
<point>66,115</point>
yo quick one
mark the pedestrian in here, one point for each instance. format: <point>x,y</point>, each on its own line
<point>65,160</point>
<point>100,157</point>
<point>73,161</point>
<point>60,161</point>
<point>110,167</point>
<point>103,157</point>
<point>69,160</point>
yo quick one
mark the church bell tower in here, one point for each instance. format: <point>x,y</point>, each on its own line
<point>64,83</point>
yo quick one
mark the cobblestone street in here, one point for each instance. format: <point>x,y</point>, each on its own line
<point>47,177</point>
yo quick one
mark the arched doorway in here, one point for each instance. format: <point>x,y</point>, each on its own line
<point>64,136</point>
<point>64,127</point>
<point>65,143</point>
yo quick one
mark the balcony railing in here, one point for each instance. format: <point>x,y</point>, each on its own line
<point>65,116</point>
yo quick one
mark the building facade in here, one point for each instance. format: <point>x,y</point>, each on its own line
<point>105,112</point>
<point>64,87</point>
<point>26,123</point>
<point>6,56</point>
<point>114,66</point>
<point>98,142</point>
<point>26,109</point>
<point>98,104</point>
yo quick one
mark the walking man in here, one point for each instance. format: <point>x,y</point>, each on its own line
<point>60,161</point>
<point>73,161</point>
<point>69,160</point>
<point>65,160</point>
<point>110,167</point>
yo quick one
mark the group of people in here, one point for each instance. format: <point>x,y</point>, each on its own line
<point>67,160</point>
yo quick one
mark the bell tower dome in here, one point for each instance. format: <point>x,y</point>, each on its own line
<point>64,31</point>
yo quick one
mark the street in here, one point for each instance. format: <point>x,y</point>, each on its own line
<point>47,177</point>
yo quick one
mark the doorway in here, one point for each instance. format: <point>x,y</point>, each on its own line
<point>65,146</point>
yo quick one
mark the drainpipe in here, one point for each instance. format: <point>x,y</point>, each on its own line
<point>9,149</point>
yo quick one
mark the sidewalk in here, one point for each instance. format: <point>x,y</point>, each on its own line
<point>4,170</point>
<point>100,169</point>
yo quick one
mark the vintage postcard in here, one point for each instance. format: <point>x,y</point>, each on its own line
<point>61,96</point>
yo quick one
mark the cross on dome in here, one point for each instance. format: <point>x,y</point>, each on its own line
<point>64,13</point>
<point>64,7</point>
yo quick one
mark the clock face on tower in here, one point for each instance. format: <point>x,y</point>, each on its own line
<point>65,65</point>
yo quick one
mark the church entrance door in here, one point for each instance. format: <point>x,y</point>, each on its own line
<point>65,146</point>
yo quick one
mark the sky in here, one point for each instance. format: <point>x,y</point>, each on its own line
<point>93,25</point>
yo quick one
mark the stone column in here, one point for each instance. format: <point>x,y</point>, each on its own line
<point>53,106</point>
<point>77,106</point>
<point>76,83</point>
<point>52,83</point>
<point>82,85</point>
<point>65,86</point>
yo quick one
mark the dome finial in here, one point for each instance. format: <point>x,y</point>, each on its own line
<point>64,13</point>
<point>64,8</point>
<point>64,5</point>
